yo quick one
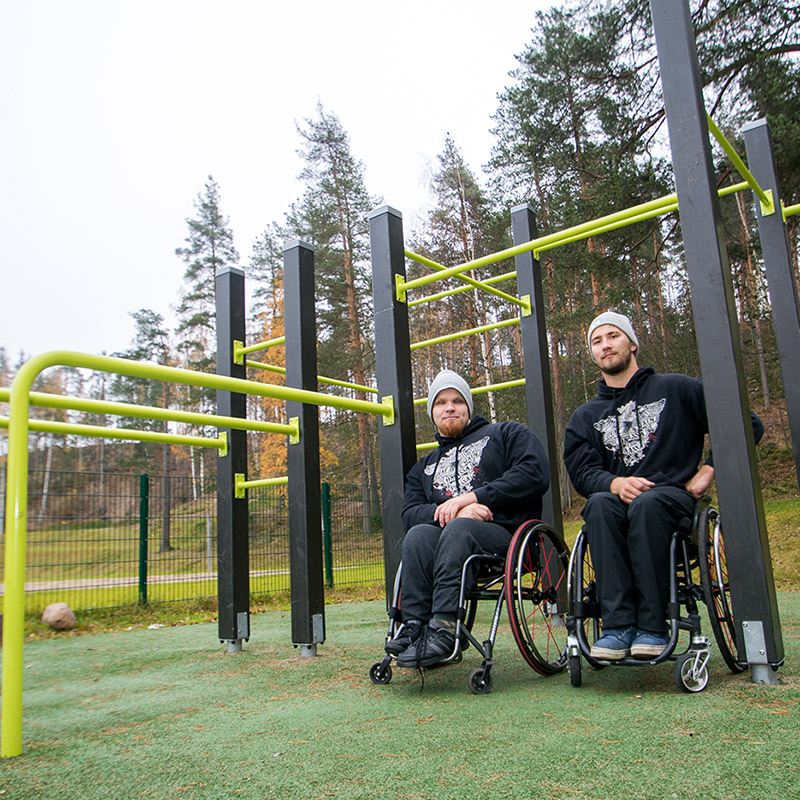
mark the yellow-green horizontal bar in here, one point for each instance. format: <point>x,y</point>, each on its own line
<point>46,400</point>
<point>267,367</point>
<point>495,387</point>
<point>98,431</point>
<point>741,166</point>
<point>490,387</point>
<point>320,378</point>
<point>263,482</point>
<point>586,229</point>
<point>427,446</point>
<point>461,334</point>
<point>441,295</point>
<point>789,210</point>
<point>427,262</point>
<point>254,348</point>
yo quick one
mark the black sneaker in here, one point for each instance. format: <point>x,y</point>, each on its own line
<point>433,646</point>
<point>407,635</point>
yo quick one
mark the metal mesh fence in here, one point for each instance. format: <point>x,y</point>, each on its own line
<point>92,543</point>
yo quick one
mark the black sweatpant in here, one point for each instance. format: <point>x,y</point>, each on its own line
<point>629,545</point>
<point>433,558</point>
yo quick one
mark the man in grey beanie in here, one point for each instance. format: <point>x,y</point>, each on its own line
<point>633,452</point>
<point>468,496</point>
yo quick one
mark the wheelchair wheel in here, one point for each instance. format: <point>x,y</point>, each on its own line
<point>574,668</point>
<point>480,682</point>
<point>584,605</point>
<point>687,676</point>
<point>380,673</point>
<point>716,588</point>
<point>536,596</point>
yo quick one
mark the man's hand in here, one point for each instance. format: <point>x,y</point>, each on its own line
<point>628,489</point>
<point>699,483</point>
<point>476,511</point>
<point>454,507</point>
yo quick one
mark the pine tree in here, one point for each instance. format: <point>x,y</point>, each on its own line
<point>332,215</point>
<point>209,246</point>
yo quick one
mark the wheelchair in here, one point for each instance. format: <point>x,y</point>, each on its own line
<point>696,546</point>
<point>531,581</point>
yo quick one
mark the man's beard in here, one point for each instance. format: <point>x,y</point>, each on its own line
<point>452,428</point>
<point>621,365</point>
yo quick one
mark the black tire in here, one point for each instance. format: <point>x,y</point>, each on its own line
<point>536,596</point>
<point>380,675</point>
<point>716,588</point>
<point>575,671</point>
<point>691,684</point>
<point>480,682</point>
<point>583,595</point>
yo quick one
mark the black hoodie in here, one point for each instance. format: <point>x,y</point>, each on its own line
<point>504,464</point>
<point>653,428</point>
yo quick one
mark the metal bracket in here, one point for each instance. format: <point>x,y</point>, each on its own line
<point>400,287</point>
<point>768,210</point>
<point>388,400</point>
<point>525,309</point>
<point>223,437</point>
<point>755,646</point>
<point>294,438</point>
<point>238,355</point>
<point>239,491</point>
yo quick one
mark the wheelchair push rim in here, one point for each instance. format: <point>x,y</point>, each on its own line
<point>536,596</point>
<point>716,586</point>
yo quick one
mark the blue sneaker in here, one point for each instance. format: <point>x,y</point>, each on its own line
<point>648,644</point>
<point>614,644</point>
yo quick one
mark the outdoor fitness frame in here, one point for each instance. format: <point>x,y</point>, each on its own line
<point>759,641</point>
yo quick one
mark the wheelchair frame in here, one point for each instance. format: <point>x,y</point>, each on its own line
<point>531,581</point>
<point>691,673</point>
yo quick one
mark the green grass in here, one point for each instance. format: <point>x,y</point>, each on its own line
<point>166,714</point>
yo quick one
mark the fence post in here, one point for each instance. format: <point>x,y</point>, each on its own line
<point>144,524</point>
<point>327,545</point>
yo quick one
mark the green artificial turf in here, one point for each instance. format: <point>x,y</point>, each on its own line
<point>167,713</point>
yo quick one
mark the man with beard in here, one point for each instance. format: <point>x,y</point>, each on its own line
<point>633,452</point>
<point>468,496</point>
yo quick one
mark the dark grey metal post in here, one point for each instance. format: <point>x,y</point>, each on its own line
<point>749,565</point>
<point>393,368</point>
<point>777,262</point>
<point>233,545</point>
<point>305,506</point>
<point>533,331</point>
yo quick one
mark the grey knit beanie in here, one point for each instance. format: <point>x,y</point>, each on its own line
<point>447,379</point>
<point>618,321</point>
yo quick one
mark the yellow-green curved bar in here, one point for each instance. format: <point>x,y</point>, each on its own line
<point>17,492</point>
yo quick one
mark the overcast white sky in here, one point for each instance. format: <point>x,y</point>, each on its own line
<point>114,114</point>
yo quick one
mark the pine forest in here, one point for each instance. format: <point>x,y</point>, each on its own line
<point>579,132</point>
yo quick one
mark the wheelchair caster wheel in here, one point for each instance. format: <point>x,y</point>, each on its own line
<point>380,674</point>
<point>575,671</point>
<point>480,682</point>
<point>688,678</point>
